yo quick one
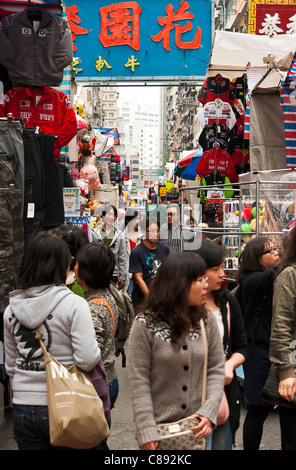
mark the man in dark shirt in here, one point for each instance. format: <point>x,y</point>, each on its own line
<point>145,259</point>
<point>209,218</point>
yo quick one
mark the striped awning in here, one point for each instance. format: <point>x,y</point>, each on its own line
<point>255,74</point>
<point>288,103</point>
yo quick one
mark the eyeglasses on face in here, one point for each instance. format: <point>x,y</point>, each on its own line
<point>152,231</point>
<point>171,214</point>
<point>204,281</point>
<point>271,251</point>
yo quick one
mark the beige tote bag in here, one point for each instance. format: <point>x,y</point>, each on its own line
<point>76,412</point>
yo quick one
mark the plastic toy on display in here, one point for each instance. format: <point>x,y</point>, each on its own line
<point>90,173</point>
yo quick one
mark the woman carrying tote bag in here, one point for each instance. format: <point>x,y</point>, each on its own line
<point>43,302</point>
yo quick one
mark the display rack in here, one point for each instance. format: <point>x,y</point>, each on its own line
<point>281,194</point>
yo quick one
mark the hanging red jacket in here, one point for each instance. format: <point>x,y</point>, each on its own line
<point>216,87</point>
<point>216,159</point>
<point>46,108</point>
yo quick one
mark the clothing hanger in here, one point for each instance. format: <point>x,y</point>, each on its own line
<point>9,118</point>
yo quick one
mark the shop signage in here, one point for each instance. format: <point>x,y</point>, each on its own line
<point>140,40</point>
<point>269,18</point>
<point>150,174</point>
<point>71,201</point>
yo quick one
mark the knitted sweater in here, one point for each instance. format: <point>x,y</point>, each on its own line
<point>104,329</point>
<point>166,381</point>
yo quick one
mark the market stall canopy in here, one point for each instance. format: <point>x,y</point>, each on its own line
<point>231,52</point>
<point>186,167</point>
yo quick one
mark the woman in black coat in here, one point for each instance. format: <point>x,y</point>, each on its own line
<point>229,317</point>
<point>256,274</point>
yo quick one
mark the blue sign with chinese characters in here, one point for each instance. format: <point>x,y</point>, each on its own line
<point>140,40</point>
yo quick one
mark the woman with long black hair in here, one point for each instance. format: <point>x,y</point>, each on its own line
<point>166,352</point>
<point>256,274</point>
<point>42,301</point>
<point>227,311</point>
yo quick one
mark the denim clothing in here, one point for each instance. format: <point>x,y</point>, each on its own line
<point>222,437</point>
<point>113,391</point>
<point>209,441</point>
<point>31,427</point>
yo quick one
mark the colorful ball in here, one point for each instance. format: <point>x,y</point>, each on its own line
<point>253,213</point>
<point>246,228</point>
<point>253,225</point>
<point>247,214</point>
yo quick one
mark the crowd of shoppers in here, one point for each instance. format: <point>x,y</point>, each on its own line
<point>63,290</point>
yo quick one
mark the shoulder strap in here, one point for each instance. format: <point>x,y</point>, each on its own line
<point>228,325</point>
<point>204,385</point>
<point>104,302</point>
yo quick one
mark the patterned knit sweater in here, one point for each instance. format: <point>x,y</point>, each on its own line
<point>104,329</point>
<point>166,381</point>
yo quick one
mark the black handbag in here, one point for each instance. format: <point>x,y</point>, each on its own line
<point>270,392</point>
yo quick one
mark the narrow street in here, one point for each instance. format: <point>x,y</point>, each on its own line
<point>122,431</point>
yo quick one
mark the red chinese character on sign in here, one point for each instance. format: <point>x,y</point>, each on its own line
<point>74,21</point>
<point>167,22</point>
<point>122,21</point>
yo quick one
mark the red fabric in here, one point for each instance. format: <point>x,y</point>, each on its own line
<point>216,159</point>
<point>132,244</point>
<point>53,114</point>
<point>217,87</point>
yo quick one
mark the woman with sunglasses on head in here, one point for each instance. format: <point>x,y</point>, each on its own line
<point>283,339</point>
<point>258,265</point>
<point>227,311</point>
<point>167,353</point>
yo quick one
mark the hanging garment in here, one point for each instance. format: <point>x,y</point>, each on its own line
<point>215,178</point>
<point>4,79</point>
<point>240,89</point>
<point>46,108</point>
<point>241,161</point>
<point>289,109</point>
<point>54,182</point>
<point>213,134</point>
<point>35,53</point>
<point>11,241</point>
<point>216,159</point>
<point>217,110</point>
<point>44,182</point>
<point>11,155</point>
<point>216,87</point>
<point>34,187</point>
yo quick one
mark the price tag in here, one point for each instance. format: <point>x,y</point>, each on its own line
<point>31,210</point>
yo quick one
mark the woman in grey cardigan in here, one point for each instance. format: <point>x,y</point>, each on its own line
<point>166,352</point>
